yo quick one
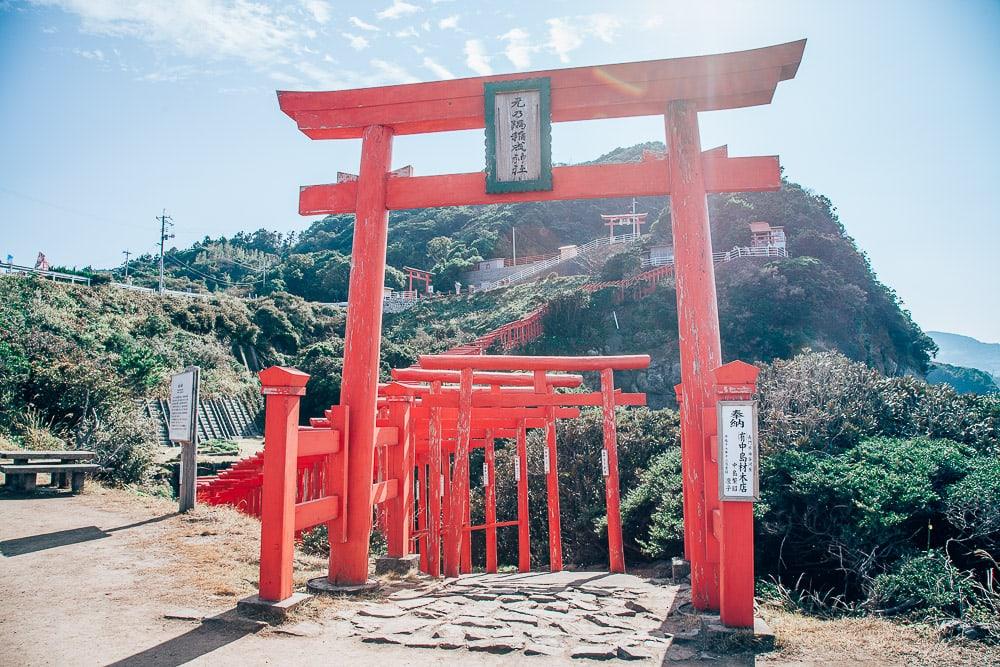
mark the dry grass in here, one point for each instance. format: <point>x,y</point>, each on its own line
<point>866,641</point>
<point>217,548</point>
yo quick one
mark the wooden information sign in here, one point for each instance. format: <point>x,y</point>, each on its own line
<point>183,428</point>
<point>738,461</point>
<point>518,136</point>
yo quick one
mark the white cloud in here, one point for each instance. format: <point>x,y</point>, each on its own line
<point>651,22</point>
<point>320,10</point>
<point>426,25</point>
<point>397,9</point>
<point>567,34</point>
<point>518,49</point>
<point>409,31</point>
<point>50,30</point>
<point>563,38</point>
<point>320,77</point>
<point>439,71</point>
<point>476,58</point>
<point>196,28</point>
<point>358,23</point>
<point>604,26</point>
<point>357,42</point>
<point>449,22</point>
<point>96,54</point>
<point>387,72</point>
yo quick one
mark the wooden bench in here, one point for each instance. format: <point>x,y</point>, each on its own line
<point>65,467</point>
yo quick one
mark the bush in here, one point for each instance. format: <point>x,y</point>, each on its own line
<point>924,584</point>
<point>122,437</point>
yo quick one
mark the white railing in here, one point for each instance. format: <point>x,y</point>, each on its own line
<point>729,255</point>
<point>168,292</point>
<point>768,251</point>
<point>584,249</point>
<point>54,275</point>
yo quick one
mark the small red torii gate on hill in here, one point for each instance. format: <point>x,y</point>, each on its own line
<point>676,89</point>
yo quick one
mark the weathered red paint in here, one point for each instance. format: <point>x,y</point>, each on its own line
<point>616,547</point>
<point>736,380</point>
<point>277,528</point>
<point>524,524</point>
<point>490,501</point>
<point>552,495</point>
<point>359,388</point>
<point>607,181</point>
<point>720,81</point>
<point>698,325</point>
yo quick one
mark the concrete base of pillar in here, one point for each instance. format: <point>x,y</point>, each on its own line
<point>718,637</point>
<point>680,569</point>
<point>401,567</point>
<point>323,586</point>
<point>278,611</point>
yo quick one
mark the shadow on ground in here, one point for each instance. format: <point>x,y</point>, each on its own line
<point>61,538</point>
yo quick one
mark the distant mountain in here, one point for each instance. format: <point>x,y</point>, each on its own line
<point>963,380</point>
<point>966,351</point>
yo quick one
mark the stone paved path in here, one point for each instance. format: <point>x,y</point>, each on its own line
<point>585,615</point>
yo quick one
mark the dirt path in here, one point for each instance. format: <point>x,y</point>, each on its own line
<point>83,584</point>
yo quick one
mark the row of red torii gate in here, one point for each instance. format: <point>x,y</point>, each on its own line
<point>405,445</point>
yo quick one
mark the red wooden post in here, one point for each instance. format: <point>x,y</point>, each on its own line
<point>466,560</point>
<point>616,549</point>
<point>552,488</point>
<point>459,496</point>
<point>490,500</point>
<point>523,520</point>
<point>451,545</point>
<point>284,388</point>
<point>736,380</point>
<point>422,489</point>
<point>359,385</point>
<point>399,510</point>
<point>698,323</point>
<point>434,488</point>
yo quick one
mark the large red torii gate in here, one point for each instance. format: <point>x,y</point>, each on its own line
<point>676,89</point>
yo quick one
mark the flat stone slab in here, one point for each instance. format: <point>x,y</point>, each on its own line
<point>322,585</point>
<point>254,606</point>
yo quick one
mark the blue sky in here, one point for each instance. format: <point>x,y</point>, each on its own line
<point>114,109</point>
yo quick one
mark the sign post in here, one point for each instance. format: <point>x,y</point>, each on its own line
<point>738,464</point>
<point>183,429</point>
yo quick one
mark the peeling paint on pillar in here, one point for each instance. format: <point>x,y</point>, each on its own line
<point>362,341</point>
<point>698,322</point>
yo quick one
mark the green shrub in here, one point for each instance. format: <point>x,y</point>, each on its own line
<point>122,437</point>
<point>923,584</point>
<point>972,504</point>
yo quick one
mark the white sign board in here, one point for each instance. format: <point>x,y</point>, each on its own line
<point>738,452</point>
<point>183,388</point>
<point>518,135</point>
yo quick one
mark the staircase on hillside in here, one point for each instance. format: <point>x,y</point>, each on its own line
<point>218,418</point>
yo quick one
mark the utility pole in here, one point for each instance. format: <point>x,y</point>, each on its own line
<point>164,221</point>
<point>513,241</point>
<point>127,254</point>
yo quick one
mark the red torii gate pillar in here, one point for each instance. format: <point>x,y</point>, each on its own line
<point>700,346</point>
<point>362,342</point>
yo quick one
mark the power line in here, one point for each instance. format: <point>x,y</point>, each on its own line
<point>209,277</point>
